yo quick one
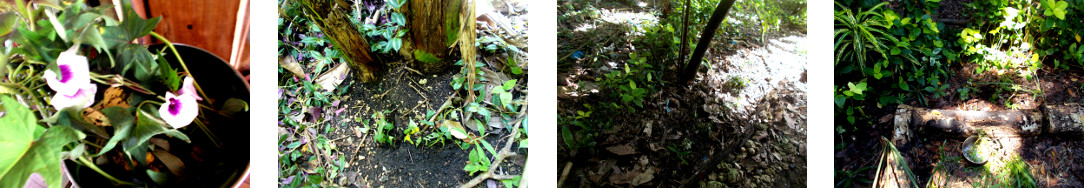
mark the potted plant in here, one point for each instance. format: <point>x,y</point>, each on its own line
<point>79,99</point>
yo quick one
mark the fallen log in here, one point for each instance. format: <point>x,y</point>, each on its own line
<point>962,123</point>
<point>1067,119</point>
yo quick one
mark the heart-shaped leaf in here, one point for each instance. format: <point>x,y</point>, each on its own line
<point>25,152</point>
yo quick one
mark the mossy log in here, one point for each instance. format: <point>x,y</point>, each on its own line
<point>433,28</point>
<point>331,17</point>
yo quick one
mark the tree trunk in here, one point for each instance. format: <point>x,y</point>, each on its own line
<point>717,17</point>
<point>330,17</point>
<point>434,27</point>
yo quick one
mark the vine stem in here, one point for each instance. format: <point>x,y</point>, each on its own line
<point>181,61</point>
<point>83,160</point>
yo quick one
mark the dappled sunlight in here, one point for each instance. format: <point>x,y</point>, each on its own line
<point>759,69</point>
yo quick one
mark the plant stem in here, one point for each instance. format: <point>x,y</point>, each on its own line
<point>83,161</point>
<point>183,65</point>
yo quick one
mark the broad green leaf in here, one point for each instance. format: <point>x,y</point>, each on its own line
<point>1059,9</point>
<point>508,85</point>
<point>23,154</point>
<point>131,28</point>
<point>7,21</point>
<point>567,136</point>
<point>121,120</point>
<point>147,126</point>
<point>398,19</point>
<point>136,56</point>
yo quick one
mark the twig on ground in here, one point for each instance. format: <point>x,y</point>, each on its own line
<point>362,144</point>
<point>415,71</point>
<point>564,174</point>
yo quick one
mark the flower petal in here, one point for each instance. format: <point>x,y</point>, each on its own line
<point>84,97</point>
<point>179,110</point>
<point>74,70</point>
<point>188,88</point>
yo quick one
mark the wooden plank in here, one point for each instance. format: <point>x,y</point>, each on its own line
<point>207,24</point>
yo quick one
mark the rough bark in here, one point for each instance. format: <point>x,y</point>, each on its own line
<point>717,17</point>
<point>330,16</point>
<point>965,123</point>
<point>1065,119</point>
<point>434,26</point>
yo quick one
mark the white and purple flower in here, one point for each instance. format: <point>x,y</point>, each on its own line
<point>180,109</point>
<point>73,86</point>
<point>73,70</point>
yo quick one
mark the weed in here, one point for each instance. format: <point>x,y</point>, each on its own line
<point>382,127</point>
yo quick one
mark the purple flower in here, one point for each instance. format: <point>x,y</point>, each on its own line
<point>179,110</point>
<point>83,96</point>
<point>74,73</point>
<point>189,89</point>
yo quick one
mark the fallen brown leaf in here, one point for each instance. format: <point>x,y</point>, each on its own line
<point>622,149</point>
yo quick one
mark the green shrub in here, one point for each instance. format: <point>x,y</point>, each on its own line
<point>884,58</point>
<point>858,35</point>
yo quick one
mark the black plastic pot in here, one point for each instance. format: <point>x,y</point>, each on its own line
<point>218,166</point>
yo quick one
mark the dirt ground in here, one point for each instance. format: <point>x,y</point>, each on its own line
<point>757,132</point>
<point>402,164</point>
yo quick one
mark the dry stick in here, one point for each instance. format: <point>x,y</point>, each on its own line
<point>505,152</point>
<point>415,71</point>
<point>564,174</point>
<point>366,136</point>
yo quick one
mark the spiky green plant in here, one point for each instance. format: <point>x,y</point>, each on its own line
<point>857,35</point>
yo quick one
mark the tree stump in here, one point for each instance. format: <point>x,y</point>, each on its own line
<point>433,28</point>
<point>330,17</point>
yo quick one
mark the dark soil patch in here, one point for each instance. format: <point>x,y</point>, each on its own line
<point>402,164</point>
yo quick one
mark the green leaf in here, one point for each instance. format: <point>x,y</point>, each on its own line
<point>23,154</point>
<point>857,89</point>
<point>7,21</point>
<point>147,126</point>
<point>294,145</point>
<point>167,74</point>
<point>488,147</point>
<point>1059,9</point>
<point>233,106</point>
<point>131,28</point>
<point>398,19</point>
<point>840,99</point>
<point>121,120</point>
<point>508,85</point>
<point>137,56</point>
